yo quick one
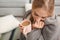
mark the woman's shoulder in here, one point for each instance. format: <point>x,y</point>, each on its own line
<point>51,20</point>
<point>27,14</point>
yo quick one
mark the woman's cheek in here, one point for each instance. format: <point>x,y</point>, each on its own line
<point>34,16</point>
<point>37,18</point>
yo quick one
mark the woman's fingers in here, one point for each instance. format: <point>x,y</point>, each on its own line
<point>20,25</point>
<point>41,24</point>
<point>21,28</point>
<point>35,25</point>
<point>38,24</point>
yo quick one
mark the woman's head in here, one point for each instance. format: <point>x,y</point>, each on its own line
<point>42,9</point>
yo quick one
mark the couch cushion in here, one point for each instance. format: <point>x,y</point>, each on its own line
<point>13,11</point>
<point>6,36</point>
<point>13,3</point>
<point>57,10</point>
<point>8,23</point>
<point>57,2</point>
<point>15,7</point>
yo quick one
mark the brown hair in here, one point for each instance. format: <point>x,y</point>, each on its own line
<point>47,4</point>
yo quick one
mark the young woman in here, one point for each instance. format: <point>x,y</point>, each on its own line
<point>42,28</point>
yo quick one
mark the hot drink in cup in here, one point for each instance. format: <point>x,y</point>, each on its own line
<point>27,26</point>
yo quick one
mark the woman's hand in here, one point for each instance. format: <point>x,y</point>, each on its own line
<point>25,29</point>
<point>38,24</point>
<point>21,28</point>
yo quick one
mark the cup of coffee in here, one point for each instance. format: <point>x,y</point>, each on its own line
<point>27,26</point>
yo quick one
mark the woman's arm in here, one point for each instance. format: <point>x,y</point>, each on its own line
<point>50,31</point>
<point>35,35</point>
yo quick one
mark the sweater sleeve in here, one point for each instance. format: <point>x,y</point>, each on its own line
<point>35,35</point>
<point>50,31</point>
